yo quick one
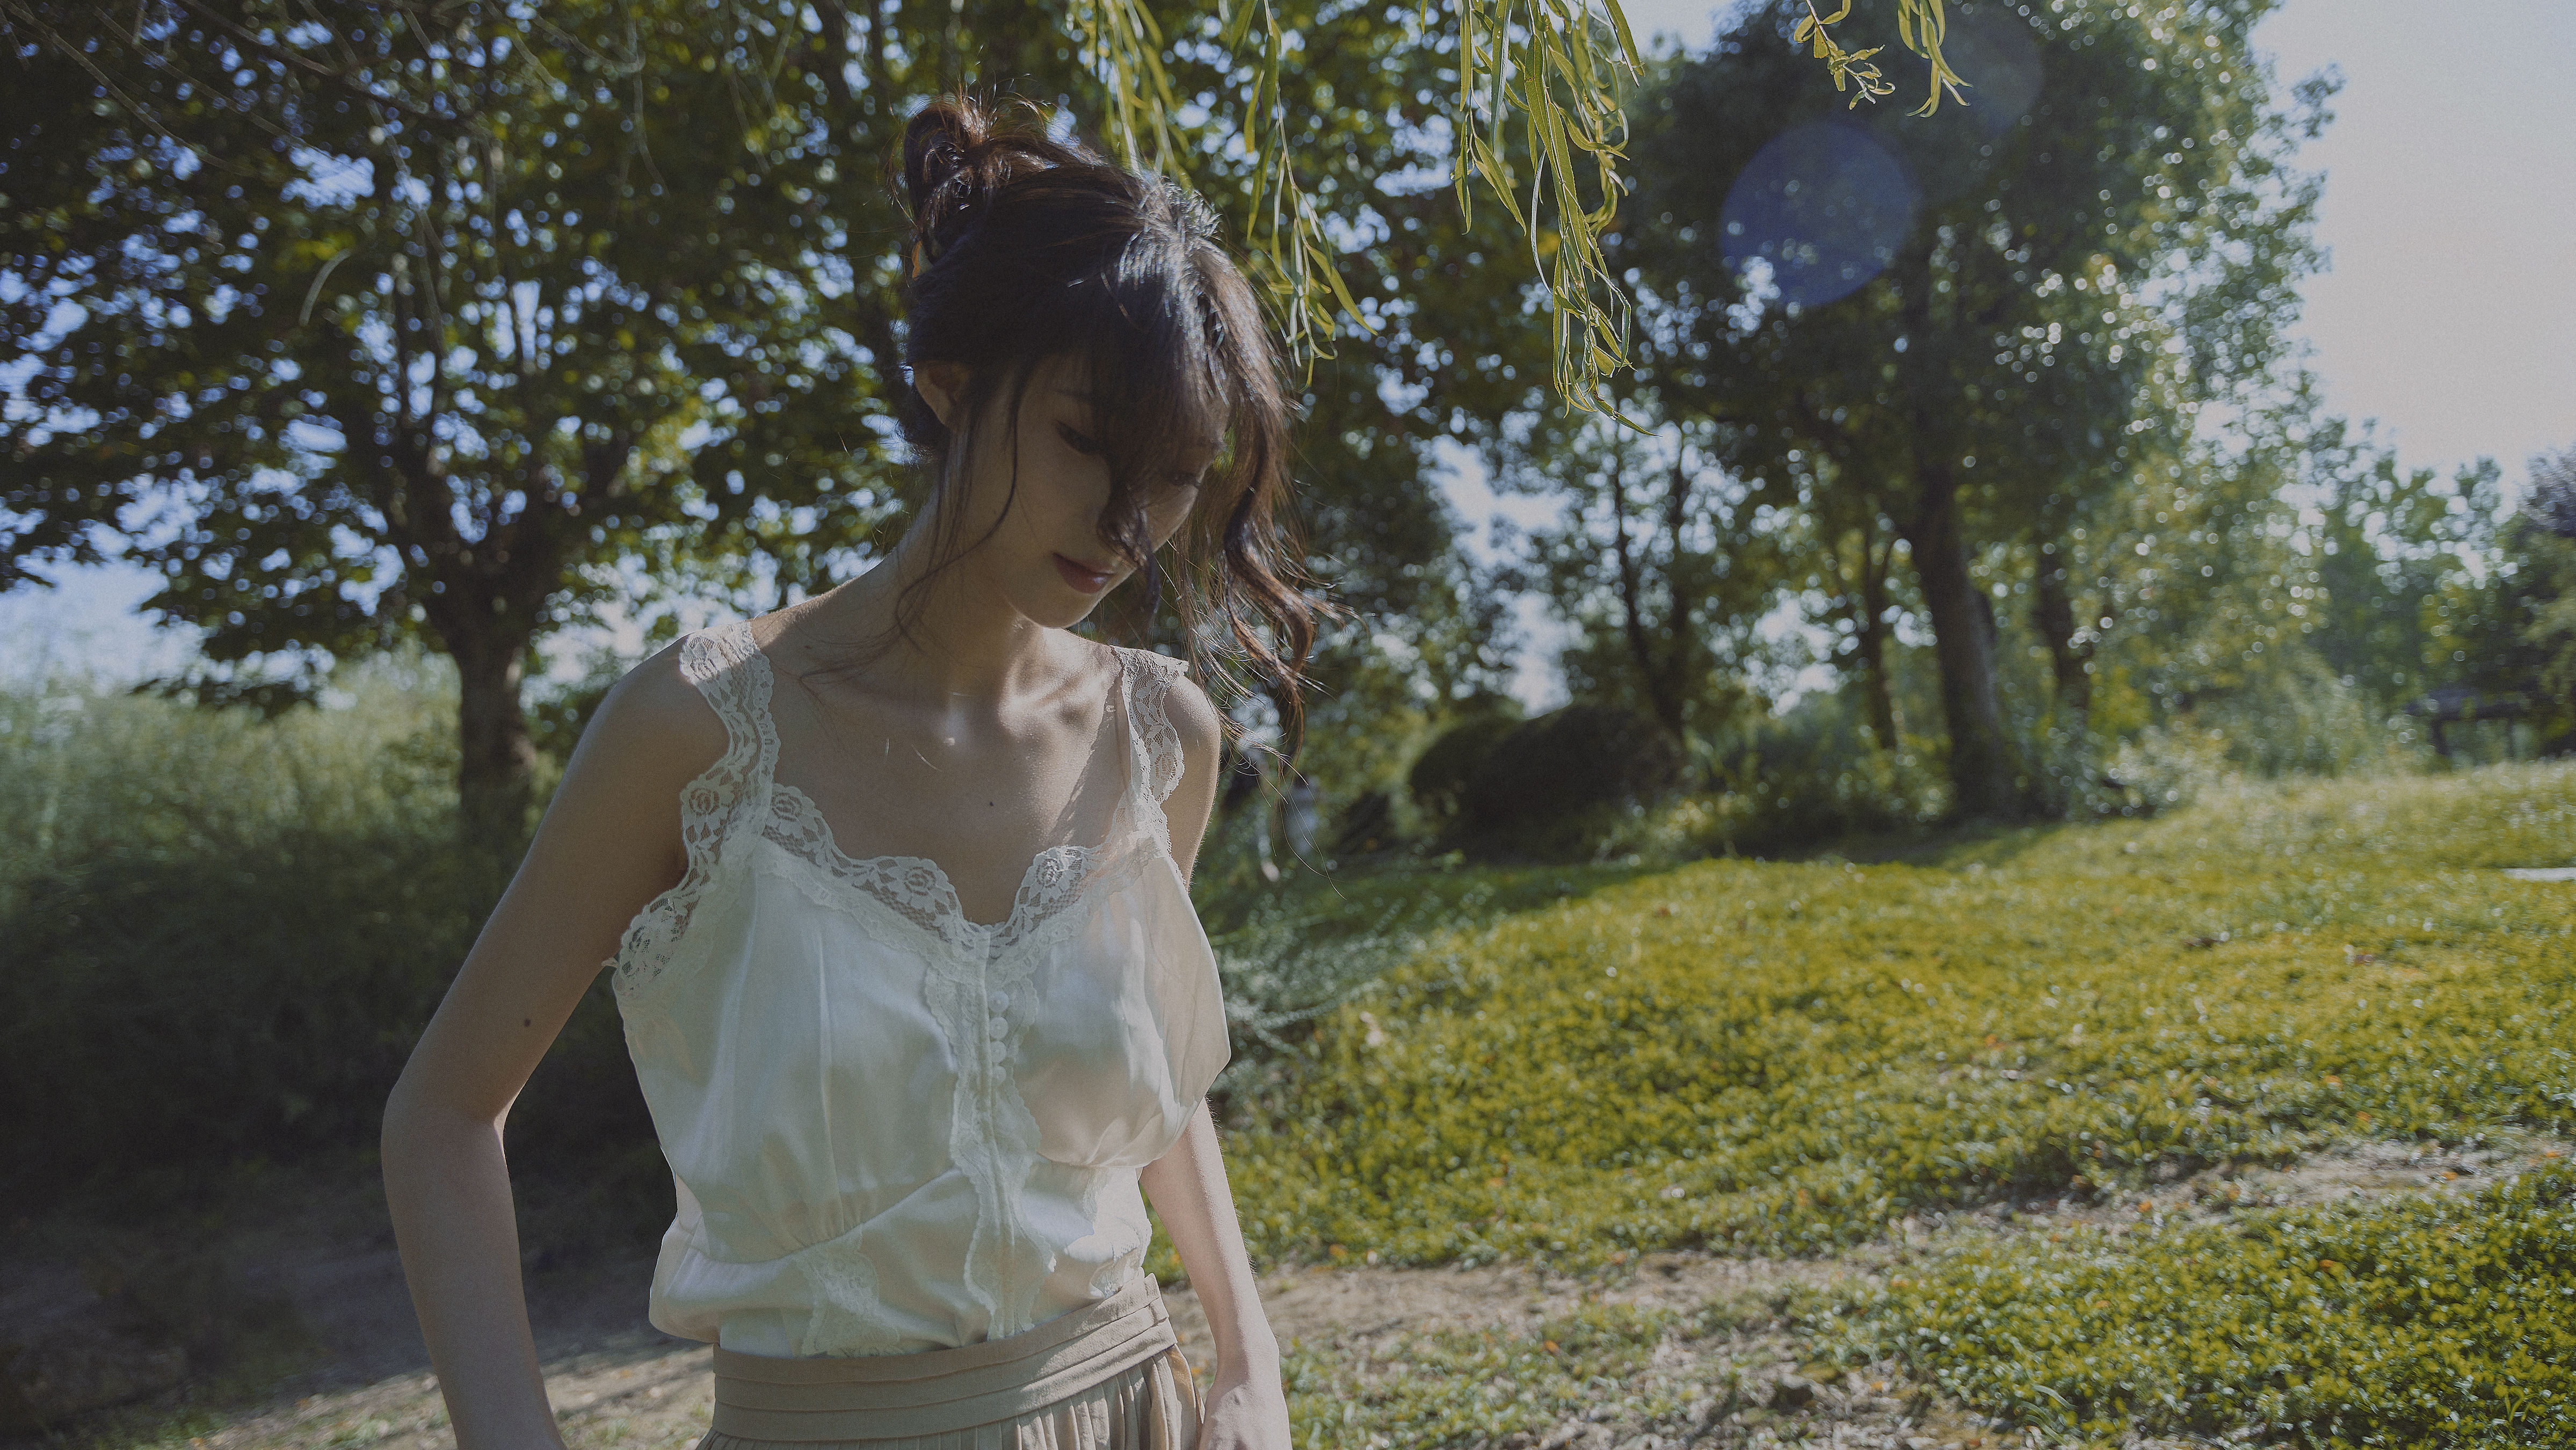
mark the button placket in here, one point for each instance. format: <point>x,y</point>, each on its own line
<point>997,1027</point>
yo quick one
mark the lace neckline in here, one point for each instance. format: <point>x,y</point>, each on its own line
<point>1053,878</point>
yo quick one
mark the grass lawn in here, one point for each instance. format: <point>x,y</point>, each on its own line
<point>2249,1124</point>
<point>1800,1058</point>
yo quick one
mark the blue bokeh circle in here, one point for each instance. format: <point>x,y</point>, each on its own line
<point>1823,204</point>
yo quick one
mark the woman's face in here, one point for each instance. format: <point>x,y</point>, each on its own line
<point>1048,558</point>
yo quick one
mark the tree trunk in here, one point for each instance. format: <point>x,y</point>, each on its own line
<point>1963,644</point>
<point>2052,613</point>
<point>1663,686</point>
<point>496,761</point>
<point>1871,647</point>
<point>1870,638</point>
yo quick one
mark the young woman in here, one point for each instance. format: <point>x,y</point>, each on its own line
<point>894,886</point>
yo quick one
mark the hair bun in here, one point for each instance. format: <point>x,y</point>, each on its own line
<point>940,183</point>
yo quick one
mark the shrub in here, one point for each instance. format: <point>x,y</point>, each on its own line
<point>2295,719</point>
<point>1800,779</point>
<point>1554,768</point>
<point>257,1001</point>
<point>1438,779</point>
<point>225,933</point>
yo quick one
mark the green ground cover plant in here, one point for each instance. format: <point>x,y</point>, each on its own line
<point>1796,1057</point>
<point>1287,958</point>
<point>1464,1387</point>
<point>2420,1321</point>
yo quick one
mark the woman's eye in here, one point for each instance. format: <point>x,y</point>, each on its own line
<point>1078,442</point>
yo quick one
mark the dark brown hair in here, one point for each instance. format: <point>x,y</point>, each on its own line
<point>1027,248</point>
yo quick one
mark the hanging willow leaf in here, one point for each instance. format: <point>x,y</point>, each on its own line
<point>1562,65</point>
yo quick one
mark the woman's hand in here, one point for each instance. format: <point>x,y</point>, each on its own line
<point>1245,1410</point>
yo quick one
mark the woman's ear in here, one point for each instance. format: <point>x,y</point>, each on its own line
<point>943,387</point>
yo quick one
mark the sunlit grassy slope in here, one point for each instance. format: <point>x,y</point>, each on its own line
<point>1788,1056</point>
<point>2419,1320</point>
<point>1795,1058</point>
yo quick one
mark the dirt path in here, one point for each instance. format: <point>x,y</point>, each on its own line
<point>634,1389</point>
<point>617,1382</point>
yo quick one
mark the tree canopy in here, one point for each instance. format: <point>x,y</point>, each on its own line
<point>365,320</point>
<point>1971,327</point>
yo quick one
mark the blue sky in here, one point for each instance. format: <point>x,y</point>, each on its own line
<point>2449,312</point>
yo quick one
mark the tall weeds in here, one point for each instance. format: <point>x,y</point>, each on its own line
<point>224,933</point>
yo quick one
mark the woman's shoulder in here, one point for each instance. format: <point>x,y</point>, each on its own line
<point>1193,715</point>
<point>657,723</point>
<point>1176,691</point>
<point>619,808</point>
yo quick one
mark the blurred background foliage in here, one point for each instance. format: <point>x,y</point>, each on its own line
<point>1966,477</point>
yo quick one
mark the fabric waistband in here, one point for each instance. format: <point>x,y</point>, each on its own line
<point>890,1396</point>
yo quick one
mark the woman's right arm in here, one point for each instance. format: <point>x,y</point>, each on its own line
<point>609,843</point>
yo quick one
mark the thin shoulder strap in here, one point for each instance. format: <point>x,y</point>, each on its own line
<point>727,666</point>
<point>1156,745</point>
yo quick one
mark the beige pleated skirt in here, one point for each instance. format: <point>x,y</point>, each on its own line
<point>1107,1377</point>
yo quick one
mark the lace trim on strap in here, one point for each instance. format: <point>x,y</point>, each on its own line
<point>1158,743</point>
<point>728,669</point>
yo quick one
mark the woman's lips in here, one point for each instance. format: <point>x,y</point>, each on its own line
<point>1087,580</point>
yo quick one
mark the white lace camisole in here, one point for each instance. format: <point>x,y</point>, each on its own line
<point>891,1128</point>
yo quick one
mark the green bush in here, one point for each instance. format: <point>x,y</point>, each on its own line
<point>1565,764</point>
<point>223,930</point>
<point>94,775</point>
<point>2292,720</point>
<point>1797,780</point>
<point>253,1001</point>
<point>2422,1321</point>
<point>1439,776</point>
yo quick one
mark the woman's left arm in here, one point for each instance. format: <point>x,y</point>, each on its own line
<point>1246,1409</point>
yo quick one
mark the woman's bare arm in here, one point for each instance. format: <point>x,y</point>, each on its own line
<point>1246,1409</point>
<point>609,843</point>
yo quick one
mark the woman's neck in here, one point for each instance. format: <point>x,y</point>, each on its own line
<point>967,644</point>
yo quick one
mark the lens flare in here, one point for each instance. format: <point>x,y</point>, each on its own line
<point>1824,205</point>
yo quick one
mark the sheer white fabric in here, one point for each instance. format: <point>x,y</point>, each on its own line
<point>892,1128</point>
